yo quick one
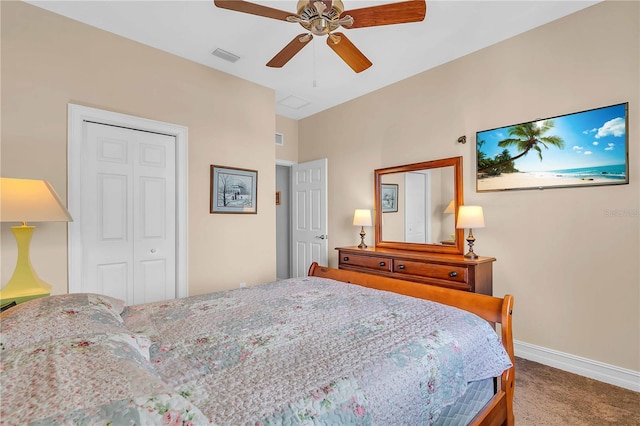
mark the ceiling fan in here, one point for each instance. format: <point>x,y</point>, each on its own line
<point>323,17</point>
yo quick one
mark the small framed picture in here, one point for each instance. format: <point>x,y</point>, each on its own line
<point>233,190</point>
<point>389,196</point>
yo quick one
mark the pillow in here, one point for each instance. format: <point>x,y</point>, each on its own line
<point>96,379</point>
<point>53,317</point>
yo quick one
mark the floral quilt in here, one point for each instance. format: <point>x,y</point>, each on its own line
<point>70,360</point>
<point>316,351</point>
<point>97,379</point>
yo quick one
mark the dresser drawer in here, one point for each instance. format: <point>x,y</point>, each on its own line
<point>370,262</point>
<point>430,270</point>
<point>443,270</point>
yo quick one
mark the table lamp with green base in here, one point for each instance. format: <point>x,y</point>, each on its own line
<point>27,200</point>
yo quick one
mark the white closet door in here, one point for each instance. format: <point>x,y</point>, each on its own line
<point>128,214</point>
<point>154,217</point>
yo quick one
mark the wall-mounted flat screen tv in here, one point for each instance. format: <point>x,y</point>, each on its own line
<point>584,148</point>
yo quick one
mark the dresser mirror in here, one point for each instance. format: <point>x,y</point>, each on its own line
<point>416,206</point>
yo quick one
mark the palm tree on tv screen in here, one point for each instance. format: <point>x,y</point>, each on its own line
<point>525,137</point>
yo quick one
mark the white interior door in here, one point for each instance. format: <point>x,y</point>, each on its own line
<point>310,241</point>
<point>417,227</point>
<point>128,213</point>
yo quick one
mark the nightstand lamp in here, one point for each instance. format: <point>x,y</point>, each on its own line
<point>362,218</point>
<point>470,217</point>
<point>27,200</point>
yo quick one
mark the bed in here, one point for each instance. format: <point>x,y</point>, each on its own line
<point>303,351</point>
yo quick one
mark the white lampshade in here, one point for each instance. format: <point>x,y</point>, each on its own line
<point>470,217</point>
<point>362,217</point>
<point>29,200</point>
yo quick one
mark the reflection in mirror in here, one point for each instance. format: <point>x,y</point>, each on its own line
<point>416,206</point>
<point>423,197</point>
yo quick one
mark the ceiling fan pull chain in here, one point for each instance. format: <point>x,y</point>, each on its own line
<point>314,65</point>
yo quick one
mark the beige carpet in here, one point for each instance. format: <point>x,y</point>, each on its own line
<point>548,396</point>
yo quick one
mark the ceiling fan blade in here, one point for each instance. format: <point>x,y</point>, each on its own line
<point>348,52</point>
<point>290,50</point>
<point>253,9</point>
<point>388,14</point>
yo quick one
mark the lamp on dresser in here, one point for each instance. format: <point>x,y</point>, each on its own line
<point>27,200</point>
<point>470,217</point>
<point>362,218</point>
<point>451,207</point>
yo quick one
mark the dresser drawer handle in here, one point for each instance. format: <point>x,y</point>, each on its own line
<point>381,264</point>
<point>345,259</point>
<point>400,266</point>
<point>453,274</point>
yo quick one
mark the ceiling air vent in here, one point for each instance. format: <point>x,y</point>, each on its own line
<point>279,139</point>
<point>227,56</point>
<point>293,102</point>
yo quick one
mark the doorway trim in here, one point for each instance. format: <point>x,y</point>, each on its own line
<point>289,164</point>
<point>77,115</point>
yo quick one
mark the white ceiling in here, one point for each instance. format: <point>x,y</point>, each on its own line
<point>316,77</point>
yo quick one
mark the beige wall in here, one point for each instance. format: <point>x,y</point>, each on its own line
<point>289,129</point>
<point>573,269</point>
<point>49,61</point>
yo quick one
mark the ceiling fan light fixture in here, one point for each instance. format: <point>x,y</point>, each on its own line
<point>319,6</point>
<point>319,26</point>
<point>319,17</point>
<point>346,21</point>
<point>323,17</point>
<point>308,9</point>
<point>335,39</point>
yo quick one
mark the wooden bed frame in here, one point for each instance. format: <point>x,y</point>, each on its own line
<point>499,410</point>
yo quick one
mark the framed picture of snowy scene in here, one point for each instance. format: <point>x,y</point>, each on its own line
<point>389,196</point>
<point>586,148</point>
<point>233,190</point>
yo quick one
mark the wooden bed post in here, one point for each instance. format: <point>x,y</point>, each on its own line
<point>509,376</point>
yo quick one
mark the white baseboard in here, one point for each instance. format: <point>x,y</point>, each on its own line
<point>606,373</point>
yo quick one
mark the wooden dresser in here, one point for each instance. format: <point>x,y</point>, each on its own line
<point>445,270</point>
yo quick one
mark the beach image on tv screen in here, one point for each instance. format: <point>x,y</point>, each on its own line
<point>584,148</point>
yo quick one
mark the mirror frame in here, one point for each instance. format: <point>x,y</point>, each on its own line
<point>456,162</point>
